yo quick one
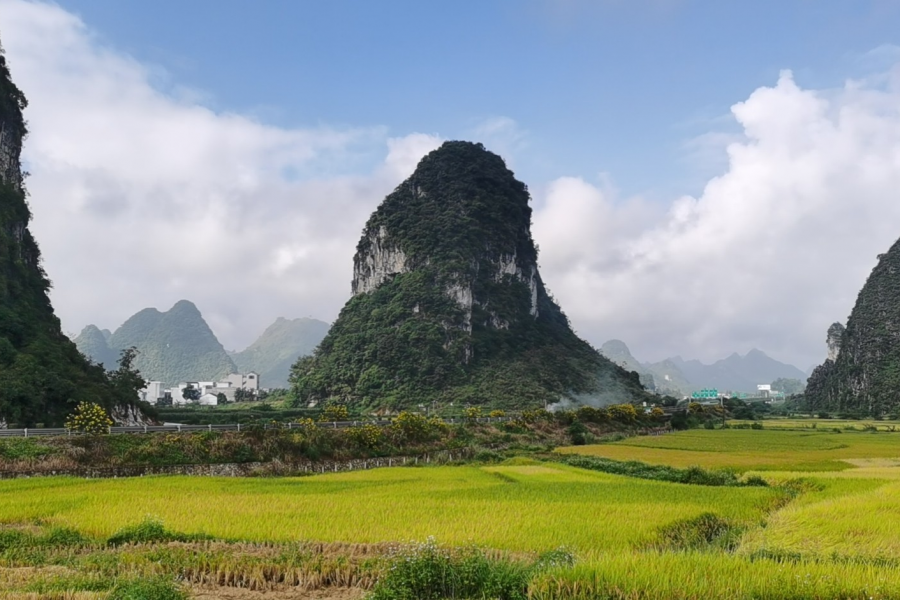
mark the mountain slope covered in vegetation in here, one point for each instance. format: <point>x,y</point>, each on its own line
<point>42,374</point>
<point>448,304</point>
<point>172,346</point>
<point>864,376</point>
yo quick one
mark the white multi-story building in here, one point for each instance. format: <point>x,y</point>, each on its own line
<point>209,390</point>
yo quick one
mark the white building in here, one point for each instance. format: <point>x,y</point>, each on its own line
<point>246,381</point>
<point>153,392</point>
<point>208,399</point>
<point>227,386</point>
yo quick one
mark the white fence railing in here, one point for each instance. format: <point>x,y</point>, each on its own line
<point>60,431</point>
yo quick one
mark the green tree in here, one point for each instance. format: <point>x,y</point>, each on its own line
<point>788,386</point>
<point>190,393</point>
<point>127,381</point>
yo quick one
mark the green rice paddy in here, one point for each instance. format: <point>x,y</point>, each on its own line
<point>828,526</point>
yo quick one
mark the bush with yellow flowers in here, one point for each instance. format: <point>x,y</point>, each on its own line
<point>335,412</point>
<point>366,436</point>
<point>411,427</point>
<point>90,418</point>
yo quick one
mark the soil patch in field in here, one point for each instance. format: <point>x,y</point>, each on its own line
<point>229,593</point>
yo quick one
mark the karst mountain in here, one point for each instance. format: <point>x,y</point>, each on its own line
<point>448,304</point>
<point>42,374</point>
<point>179,345</point>
<point>862,371</point>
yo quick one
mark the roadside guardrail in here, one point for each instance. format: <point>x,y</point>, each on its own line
<point>176,428</point>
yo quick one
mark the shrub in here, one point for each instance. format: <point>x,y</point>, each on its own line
<point>148,531</point>
<point>90,418</point>
<point>411,427</point>
<point>496,414</point>
<point>691,475</point>
<point>335,412</point>
<point>366,436</point>
<point>623,413</point>
<point>472,413</point>
<point>429,572</point>
<point>577,432</point>
<point>155,588</point>
<point>706,530</point>
<point>589,414</point>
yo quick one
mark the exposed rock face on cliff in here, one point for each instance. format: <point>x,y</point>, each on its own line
<point>42,374</point>
<point>448,304</point>
<point>833,340</point>
<point>862,372</point>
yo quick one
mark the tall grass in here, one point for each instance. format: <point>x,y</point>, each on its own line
<point>703,576</point>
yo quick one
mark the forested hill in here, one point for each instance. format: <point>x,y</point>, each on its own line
<point>448,304</point>
<point>173,346</point>
<point>864,376</point>
<point>42,374</point>
<point>280,345</point>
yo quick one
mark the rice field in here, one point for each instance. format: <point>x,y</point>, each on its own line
<point>702,576</point>
<point>827,527</point>
<point>753,450</point>
<point>514,507</point>
<point>824,424</point>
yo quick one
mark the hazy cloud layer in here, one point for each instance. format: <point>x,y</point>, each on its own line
<point>772,252</point>
<point>143,197</point>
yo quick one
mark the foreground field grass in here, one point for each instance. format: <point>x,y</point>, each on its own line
<point>752,450</point>
<point>701,576</point>
<point>826,528</point>
<point>515,507</point>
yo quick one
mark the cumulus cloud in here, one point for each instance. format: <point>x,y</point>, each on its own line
<point>773,250</point>
<point>141,198</point>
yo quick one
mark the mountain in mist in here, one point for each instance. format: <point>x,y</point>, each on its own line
<point>173,346</point>
<point>279,347</point>
<point>449,306</point>
<point>676,376</point>
<point>737,373</point>
<point>95,345</point>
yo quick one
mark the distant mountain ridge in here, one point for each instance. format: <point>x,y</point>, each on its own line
<point>678,376</point>
<point>279,347</point>
<point>178,345</point>
<point>737,373</point>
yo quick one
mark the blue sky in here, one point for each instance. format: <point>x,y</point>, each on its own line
<point>596,86</point>
<point>707,177</point>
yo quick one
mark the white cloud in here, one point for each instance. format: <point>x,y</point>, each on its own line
<point>141,198</point>
<point>772,251</point>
